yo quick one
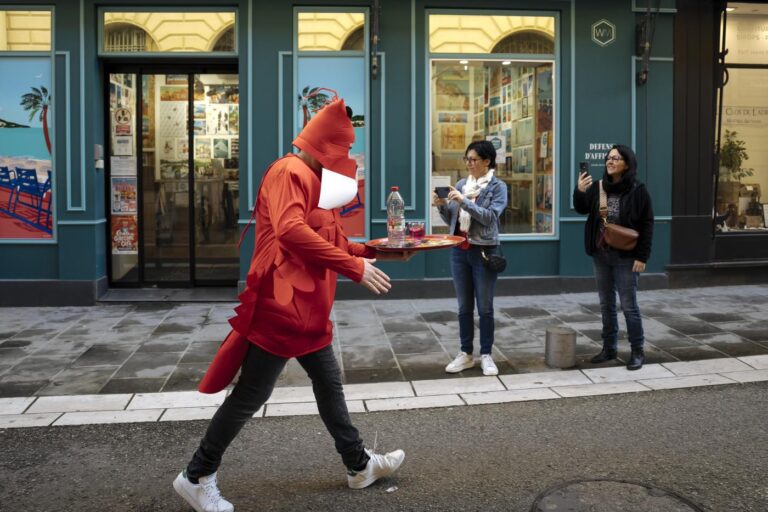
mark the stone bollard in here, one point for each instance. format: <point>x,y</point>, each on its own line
<point>560,347</point>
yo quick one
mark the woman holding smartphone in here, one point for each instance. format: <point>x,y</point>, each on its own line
<point>472,210</point>
<point>629,205</point>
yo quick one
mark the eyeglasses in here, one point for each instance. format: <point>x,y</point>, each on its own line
<point>471,160</point>
<point>616,158</point>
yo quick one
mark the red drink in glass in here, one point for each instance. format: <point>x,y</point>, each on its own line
<point>416,230</point>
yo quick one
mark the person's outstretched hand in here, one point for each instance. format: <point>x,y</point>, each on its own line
<point>374,279</point>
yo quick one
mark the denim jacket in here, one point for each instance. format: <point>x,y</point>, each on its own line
<point>485,212</point>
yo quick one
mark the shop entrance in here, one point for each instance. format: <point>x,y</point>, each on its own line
<point>173,176</point>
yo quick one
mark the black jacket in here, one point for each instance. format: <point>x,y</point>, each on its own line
<point>635,211</point>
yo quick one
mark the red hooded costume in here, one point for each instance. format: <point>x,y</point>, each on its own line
<point>299,249</point>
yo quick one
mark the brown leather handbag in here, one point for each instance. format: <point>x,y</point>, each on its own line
<point>615,235</point>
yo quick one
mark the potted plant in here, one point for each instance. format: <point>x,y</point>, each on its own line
<point>733,152</point>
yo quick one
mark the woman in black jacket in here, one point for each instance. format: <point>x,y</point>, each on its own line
<point>628,205</point>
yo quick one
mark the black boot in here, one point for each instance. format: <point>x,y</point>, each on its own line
<point>605,355</point>
<point>636,359</point>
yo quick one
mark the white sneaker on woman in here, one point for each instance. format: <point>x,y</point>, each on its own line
<point>204,496</point>
<point>488,366</point>
<point>461,363</point>
<point>379,465</point>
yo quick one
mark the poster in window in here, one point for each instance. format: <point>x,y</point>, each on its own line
<point>220,148</point>
<point>202,148</point>
<point>453,137</point>
<point>125,234</point>
<point>452,94</point>
<point>347,76</point>
<point>122,145</point>
<point>124,195</point>
<point>26,138</point>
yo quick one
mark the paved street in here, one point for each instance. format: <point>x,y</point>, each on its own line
<point>707,444</point>
<point>153,347</point>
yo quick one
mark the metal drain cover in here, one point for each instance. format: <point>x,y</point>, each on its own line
<point>610,496</point>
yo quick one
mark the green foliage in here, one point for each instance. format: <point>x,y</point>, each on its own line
<point>733,152</point>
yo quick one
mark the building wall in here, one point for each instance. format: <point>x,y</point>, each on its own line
<point>599,104</point>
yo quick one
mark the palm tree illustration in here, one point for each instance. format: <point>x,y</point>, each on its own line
<point>38,101</point>
<point>311,101</point>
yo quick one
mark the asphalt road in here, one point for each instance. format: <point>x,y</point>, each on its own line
<point>707,444</point>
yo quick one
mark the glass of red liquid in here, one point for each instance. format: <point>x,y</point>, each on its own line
<point>416,230</point>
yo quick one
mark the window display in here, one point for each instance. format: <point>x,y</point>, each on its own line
<point>509,103</point>
<point>742,177</point>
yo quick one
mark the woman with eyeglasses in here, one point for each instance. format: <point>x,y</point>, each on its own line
<point>629,205</point>
<point>472,210</point>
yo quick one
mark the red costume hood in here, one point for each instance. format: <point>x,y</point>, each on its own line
<point>328,137</point>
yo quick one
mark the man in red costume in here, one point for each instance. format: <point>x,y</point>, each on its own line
<point>285,308</point>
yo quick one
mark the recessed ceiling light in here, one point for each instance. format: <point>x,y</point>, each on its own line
<point>506,62</point>
<point>729,9</point>
<point>463,62</point>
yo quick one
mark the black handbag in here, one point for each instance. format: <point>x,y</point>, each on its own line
<point>494,262</point>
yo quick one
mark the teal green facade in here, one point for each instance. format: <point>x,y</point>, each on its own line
<point>597,102</point>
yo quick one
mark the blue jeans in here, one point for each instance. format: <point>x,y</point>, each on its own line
<point>613,274</point>
<point>473,282</point>
<point>258,375</point>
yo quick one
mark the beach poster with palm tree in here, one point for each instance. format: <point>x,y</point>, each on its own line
<point>346,76</point>
<point>26,132</point>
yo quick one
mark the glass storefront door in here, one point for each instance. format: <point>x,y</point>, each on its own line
<point>174,188</point>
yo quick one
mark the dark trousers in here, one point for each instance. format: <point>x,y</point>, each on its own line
<point>258,375</point>
<point>614,274</point>
<point>474,284</point>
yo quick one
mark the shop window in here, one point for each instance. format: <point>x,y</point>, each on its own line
<point>330,31</point>
<point>319,75</point>
<point>452,33</point>
<point>509,101</point>
<point>510,104</point>
<point>25,31</point>
<point>167,32</point>
<point>741,201</point>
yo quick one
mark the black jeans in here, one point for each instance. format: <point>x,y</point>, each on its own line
<point>258,375</point>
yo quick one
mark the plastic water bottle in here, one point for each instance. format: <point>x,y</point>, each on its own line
<point>395,219</point>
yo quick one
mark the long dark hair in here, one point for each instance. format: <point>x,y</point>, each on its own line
<point>484,149</point>
<point>629,175</point>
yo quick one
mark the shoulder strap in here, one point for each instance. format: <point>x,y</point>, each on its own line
<point>253,215</point>
<point>603,202</point>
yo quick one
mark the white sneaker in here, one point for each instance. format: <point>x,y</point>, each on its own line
<point>203,497</point>
<point>461,363</point>
<point>378,466</point>
<point>488,366</point>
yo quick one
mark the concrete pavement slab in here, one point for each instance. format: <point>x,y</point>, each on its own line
<point>517,395</point>
<point>465,385</point>
<point>607,388</point>
<point>747,376</point>
<point>544,379</point>
<point>14,405</point>
<point>80,403</point>
<point>416,402</point>
<point>620,373</point>
<point>758,362</point>
<point>27,420</point>
<point>689,381</point>
<point>704,367</point>
<point>107,417</point>
<point>176,399</point>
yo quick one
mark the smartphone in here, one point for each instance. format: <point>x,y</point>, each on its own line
<point>583,168</point>
<point>442,192</point>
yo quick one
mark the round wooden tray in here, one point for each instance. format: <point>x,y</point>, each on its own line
<point>428,243</point>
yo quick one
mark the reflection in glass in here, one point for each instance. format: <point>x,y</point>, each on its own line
<point>216,179</point>
<point>168,31</point>
<point>165,178</point>
<point>511,104</point>
<point>25,31</point>
<point>330,31</point>
<point>471,33</point>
